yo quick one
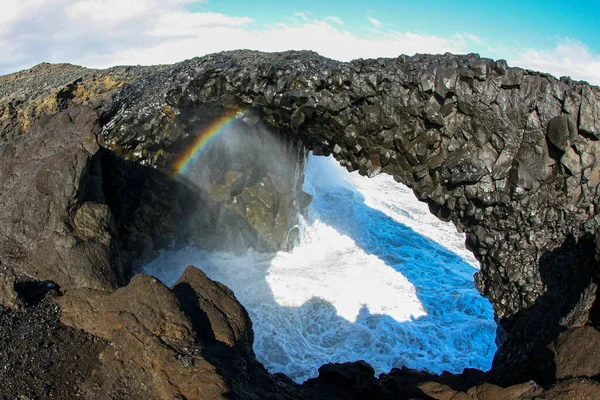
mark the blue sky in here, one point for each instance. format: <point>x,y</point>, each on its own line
<point>502,23</point>
<point>551,36</point>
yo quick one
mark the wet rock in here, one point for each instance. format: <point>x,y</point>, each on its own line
<point>347,380</point>
<point>346,374</point>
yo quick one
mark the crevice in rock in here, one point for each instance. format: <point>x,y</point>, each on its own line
<point>568,274</point>
<point>512,161</point>
<point>32,292</point>
<point>595,310</point>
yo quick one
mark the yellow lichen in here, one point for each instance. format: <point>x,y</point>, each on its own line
<point>168,111</point>
<point>96,87</point>
<point>6,113</point>
<point>35,107</point>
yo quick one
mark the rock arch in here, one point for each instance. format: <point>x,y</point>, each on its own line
<point>509,155</point>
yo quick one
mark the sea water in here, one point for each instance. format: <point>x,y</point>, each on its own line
<point>375,277</point>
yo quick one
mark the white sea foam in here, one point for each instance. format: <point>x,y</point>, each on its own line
<point>375,277</point>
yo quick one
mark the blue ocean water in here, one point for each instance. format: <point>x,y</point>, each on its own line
<point>375,277</point>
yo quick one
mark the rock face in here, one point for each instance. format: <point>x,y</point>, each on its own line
<point>502,152</point>
<point>152,340</point>
<point>508,155</point>
<point>47,232</point>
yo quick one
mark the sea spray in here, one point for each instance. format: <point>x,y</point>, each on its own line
<point>361,284</point>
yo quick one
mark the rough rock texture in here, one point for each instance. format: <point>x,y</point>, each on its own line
<point>87,193</point>
<point>257,176</point>
<point>48,233</point>
<point>191,342</point>
<point>577,353</point>
<point>213,306</point>
<point>508,155</point>
<point>40,358</point>
<point>151,340</point>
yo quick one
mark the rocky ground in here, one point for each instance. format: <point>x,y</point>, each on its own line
<point>194,342</point>
<point>42,358</point>
<point>87,194</point>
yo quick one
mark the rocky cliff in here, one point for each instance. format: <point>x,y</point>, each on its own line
<point>87,193</point>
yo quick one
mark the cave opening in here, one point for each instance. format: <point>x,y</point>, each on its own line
<point>331,266</point>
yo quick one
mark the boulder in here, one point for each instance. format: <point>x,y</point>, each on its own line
<point>560,132</point>
<point>213,309</point>
<point>577,353</point>
<point>44,178</point>
<point>152,341</point>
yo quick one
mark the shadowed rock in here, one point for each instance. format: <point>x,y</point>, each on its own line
<point>508,155</point>
<point>214,309</point>
<point>47,233</point>
<point>153,345</point>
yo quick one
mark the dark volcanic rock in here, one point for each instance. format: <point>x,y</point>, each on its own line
<point>40,358</point>
<point>348,380</point>
<point>494,149</point>
<point>192,342</point>
<point>213,309</point>
<point>151,341</point>
<point>45,234</point>
<point>508,155</point>
<point>573,389</point>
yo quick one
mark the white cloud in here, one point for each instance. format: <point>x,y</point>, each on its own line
<point>92,33</point>
<point>107,11</point>
<point>335,19</point>
<point>470,37</point>
<point>568,58</point>
<point>376,23</point>
<point>98,33</point>
<point>303,15</point>
<point>319,36</point>
<point>12,10</point>
<point>188,24</point>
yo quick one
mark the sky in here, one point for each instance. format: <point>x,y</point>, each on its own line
<point>559,37</point>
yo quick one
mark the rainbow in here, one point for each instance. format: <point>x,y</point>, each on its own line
<point>190,154</point>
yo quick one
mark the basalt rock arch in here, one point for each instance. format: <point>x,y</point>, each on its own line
<point>509,155</point>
